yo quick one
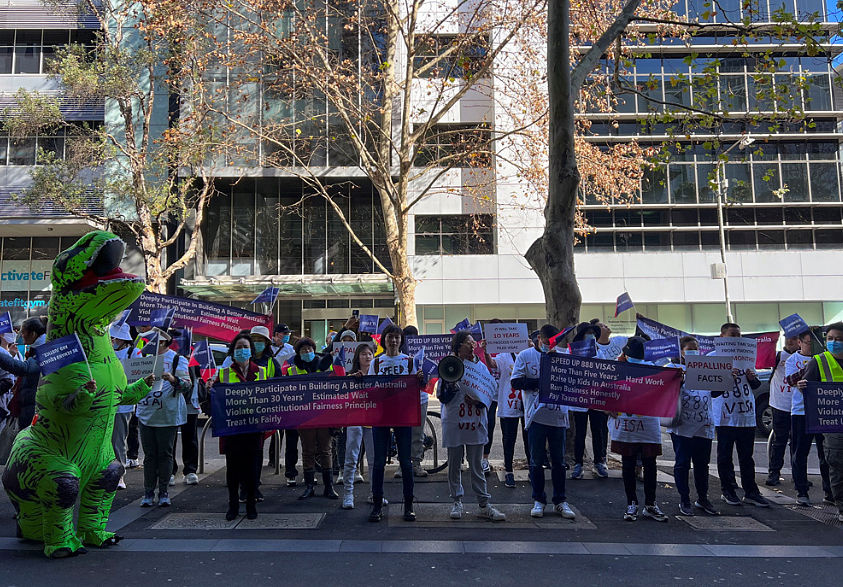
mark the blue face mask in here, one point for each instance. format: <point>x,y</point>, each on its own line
<point>590,337</point>
<point>308,357</point>
<point>834,346</point>
<point>691,353</point>
<point>286,339</point>
<point>259,346</point>
<point>545,348</point>
<point>242,355</point>
<point>634,360</point>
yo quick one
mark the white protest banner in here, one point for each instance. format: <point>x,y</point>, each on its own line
<point>140,367</point>
<point>506,338</point>
<point>711,373</point>
<point>743,351</point>
<point>350,349</point>
<point>478,383</point>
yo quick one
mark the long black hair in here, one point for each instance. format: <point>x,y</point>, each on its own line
<point>234,342</point>
<point>355,362</point>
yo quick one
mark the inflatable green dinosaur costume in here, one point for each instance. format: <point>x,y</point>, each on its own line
<point>66,454</point>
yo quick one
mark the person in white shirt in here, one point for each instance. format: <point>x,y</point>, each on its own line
<point>801,440</point>
<point>546,427</point>
<point>121,340</point>
<point>692,439</point>
<point>465,430</point>
<point>160,414</point>
<point>282,350</point>
<point>637,437</point>
<point>608,347</point>
<point>583,416</point>
<point>781,399</point>
<point>511,414</point>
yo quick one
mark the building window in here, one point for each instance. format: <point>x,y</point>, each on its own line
<point>467,234</point>
<point>450,56</point>
<point>29,51</point>
<point>26,150</point>
<point>455,145</point>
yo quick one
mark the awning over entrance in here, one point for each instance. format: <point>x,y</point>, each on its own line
<point>363,285</point>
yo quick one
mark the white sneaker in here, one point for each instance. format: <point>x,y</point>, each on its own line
<point>418,471</point>
<point>172,480</point>
<point>358,478</point>
<point>631,512</point>
<point>371,500</point>
<point>121,484</point>
<point>339,478</point>
<point>191,479</point>
<point>487,468</point>
<point>397,474</point>
<point>463,466</point>
<point>564,510</point>
<point>132,464</point>
<point>538,510</point>
<point>489,511</point>
<point>348,501</point>
<point>457,510</point>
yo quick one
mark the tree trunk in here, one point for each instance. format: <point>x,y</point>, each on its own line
<point>552,255</point>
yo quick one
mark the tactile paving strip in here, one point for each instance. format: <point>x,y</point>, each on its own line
<point>725,523</point>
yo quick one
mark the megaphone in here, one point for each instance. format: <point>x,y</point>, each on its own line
<point>451,369</point>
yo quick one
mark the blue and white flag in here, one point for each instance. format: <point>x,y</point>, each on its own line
<point>465,324</point>
<point>418,359</point>
<point>368,323</point>
<point>6,325</point>
<point>793,325</point>
<point>61,352</point>
<point>182,343</point>
<point>150,347</point>
<point>623,304</point>
<point>661,348</point>
<point>476,331</point>
<point>267,296</point>
<point>202,356</point>
<point>584,348</point>
<point>162,318</point>
<point>386,322</point>
<point>121,319</point>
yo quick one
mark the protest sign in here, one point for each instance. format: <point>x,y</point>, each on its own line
<point>6,326</point>
<point>350,349</point>
<point>435,346</point>
<point>743,351</point>
<point>315,401</point>
<point>368,323</point>
<point>205,318</point>
<point>584,348</point>
<point>140,367</point>
<point>766,349</point>
<point>713,373</point>
<point>61,352</point>
<point>793,325</point>
<point>506,338</point>
<point>612,386</point>
<point>823,407</point>
<point>661,348</point>
<point>478,383</point>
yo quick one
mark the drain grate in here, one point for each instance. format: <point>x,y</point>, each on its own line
<point>827,514</point>
<point>725,523</point>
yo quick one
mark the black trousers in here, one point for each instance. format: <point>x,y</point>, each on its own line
<point>781,436</point>
<point>240,470</point>
<point>491,414</point>
<point>629,480</point>
<point>133,439</point>
<point>599,434</point>
<point>291,452</point>
<point>742,439</point>
<point>801,443</point>
<point>509,431</point>
<point>189,446</point>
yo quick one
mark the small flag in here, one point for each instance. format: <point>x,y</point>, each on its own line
<point>465,324</point>
<point>150,345</point>
<point>182,343</point>
<point>418,359</point>
<point>793,325</point>
<point>58,353</point>
<point>202,356</point>
<point>562,334</point>
<point>267,296</point>
<point>661,348</point>
<point>584,348</point>
<point>368,323</point>
<point>6,325</point>
<point>476,331</point>
<point>386,322</point>
<point>623,304</point>
<point>162,318</point>
<point>339,362</point>
<point>121,320</point>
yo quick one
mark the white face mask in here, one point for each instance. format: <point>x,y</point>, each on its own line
<point>691,353</point>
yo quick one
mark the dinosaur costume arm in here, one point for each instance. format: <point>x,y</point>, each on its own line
<point>16,367</point>
<point>64,391</point>
<point>135,393</point>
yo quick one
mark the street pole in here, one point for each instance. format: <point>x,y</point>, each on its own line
<point>721,196</point>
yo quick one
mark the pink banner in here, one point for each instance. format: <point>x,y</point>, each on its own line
<point>767,342</point>
<point>611,386</point>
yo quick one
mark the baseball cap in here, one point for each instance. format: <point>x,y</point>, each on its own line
<point>281,327</point>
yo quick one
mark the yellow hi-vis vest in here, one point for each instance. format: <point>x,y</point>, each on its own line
<point>829,367</point>
<point>229,375</point>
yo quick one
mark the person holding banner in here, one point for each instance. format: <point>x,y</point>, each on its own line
<point>546,427</point>
<point>121,340</point>
<point>781,402</point>
<point>511,413</point>
<point>735,422</point>
<point>801,440</point>
<point>160,414</point>
<point>315,442</point>
<point>242,451</point>
<point>417,453</point>
<point>582,416</point>
<point>637,437</point>
<point>692,439</point>
<point>825,367</point>
<point>33,331</point>
<point>282,350</point>
<point>393,362</point>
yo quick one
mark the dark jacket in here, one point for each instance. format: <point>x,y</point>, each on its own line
<point>30,373</point>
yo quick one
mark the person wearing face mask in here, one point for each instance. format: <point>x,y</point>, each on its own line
<point>546,427</point>
<point>781,402</point>
<point>801,441</point>
<point>241,450</point>
<point>121,340</point>
<point>692,439</point>
<point>315,442</point>
<point>582,416</point>
<point>33,331</point>
<point>637,437</point>
<point>281,347</point>
<point>828,366</point>
<point>735,422</point>
<point>282,350</point>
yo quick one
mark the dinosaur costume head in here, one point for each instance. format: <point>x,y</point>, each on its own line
<point>89,288</point>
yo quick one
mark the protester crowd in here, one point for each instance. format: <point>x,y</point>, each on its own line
<point>331,456</point>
